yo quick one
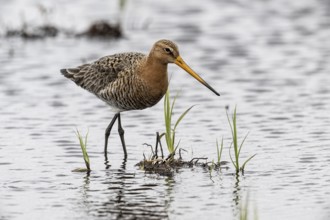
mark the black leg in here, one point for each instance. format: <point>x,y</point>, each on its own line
<point>156,148</point>
<point>160,145</point>
<point>161,148</point>
<point>121,134</point>
<point>107,134</point>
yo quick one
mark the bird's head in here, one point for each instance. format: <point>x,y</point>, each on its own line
<point>166,51</point>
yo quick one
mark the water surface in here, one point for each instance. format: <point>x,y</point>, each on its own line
<point>270,58</point>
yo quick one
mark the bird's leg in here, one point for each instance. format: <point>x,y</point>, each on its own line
<point>160,145</point>
<point>121,134</point>
<point>156,147</point>
<point>107,134</point>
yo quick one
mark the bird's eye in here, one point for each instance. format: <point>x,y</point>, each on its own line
<point>167,50</point>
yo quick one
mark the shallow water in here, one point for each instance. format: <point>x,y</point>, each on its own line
<point>270,58</point>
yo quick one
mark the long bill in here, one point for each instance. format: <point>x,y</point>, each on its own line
<point>179,61</point>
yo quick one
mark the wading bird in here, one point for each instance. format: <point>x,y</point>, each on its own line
<point>130,81</point>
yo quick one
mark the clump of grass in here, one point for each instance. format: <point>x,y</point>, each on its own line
<point>170,131</point>
<point>83,145</point>
<point>237,147</point>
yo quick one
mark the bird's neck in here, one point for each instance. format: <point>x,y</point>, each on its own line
<point>155,74</point>
<point>155,70</point>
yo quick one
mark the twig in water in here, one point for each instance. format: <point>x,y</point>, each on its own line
<point>149,145</point>
<point>197,159</point>
<point>180,157</point>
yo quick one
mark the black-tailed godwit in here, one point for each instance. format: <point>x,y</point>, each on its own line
<point>130,81</point>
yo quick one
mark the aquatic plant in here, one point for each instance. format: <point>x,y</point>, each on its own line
<point>237,148</point>
<point>170,131</point>
<point>219,151</point>
<point>83,145</point>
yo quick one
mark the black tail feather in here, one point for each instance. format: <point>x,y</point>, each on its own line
<point>75,74</point>
<point>70,73</point>
<point>66,73</point>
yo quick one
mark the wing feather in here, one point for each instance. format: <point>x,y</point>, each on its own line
<point>96,76</point>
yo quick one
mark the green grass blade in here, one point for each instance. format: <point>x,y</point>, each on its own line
<point>86,137</point>
<point>235,134</point>
<point>182,116</point>
<point>83,149</point>
<point>219,151</point>
<point>233,128</point>
<point>231,158</point>
<point>240,147</point>
<point>243,166</point>
<point>167,114</point>
<point>237,148</point>
<point>177,145</point>
<point>172,142</point>
<point>173,102</point>
<point>229,122</point>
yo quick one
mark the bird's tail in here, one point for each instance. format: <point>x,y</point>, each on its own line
<point>76,74</point>
<point>69,73</point>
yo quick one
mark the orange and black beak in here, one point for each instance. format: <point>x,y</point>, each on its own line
<point>179,61</point>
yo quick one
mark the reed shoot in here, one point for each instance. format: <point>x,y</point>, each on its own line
<point>219,151</point>
<point>83,145</point>
<point>237,147</point>
<point>170,131</point>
